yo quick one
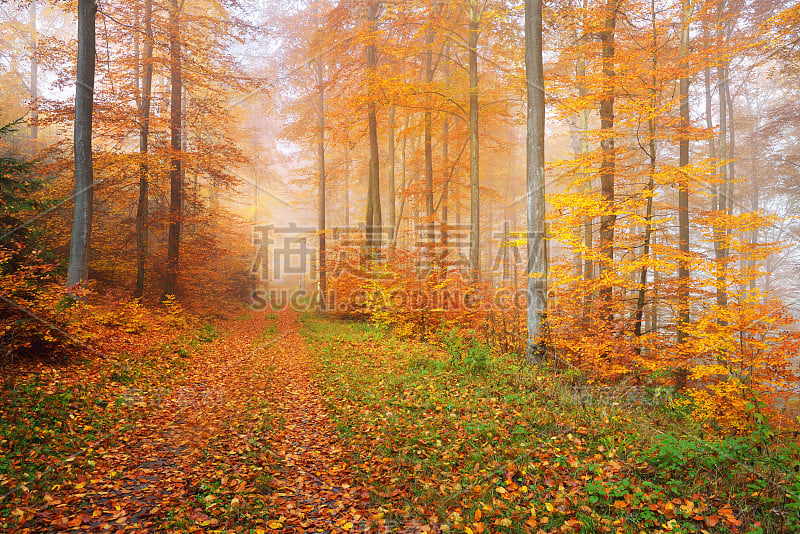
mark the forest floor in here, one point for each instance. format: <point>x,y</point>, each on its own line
<point>288,423</point>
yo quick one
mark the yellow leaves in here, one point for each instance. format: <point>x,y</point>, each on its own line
<point>275,525</point>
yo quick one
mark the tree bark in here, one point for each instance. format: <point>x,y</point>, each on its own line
<point>651,126</point>
<point>474,161</point>
<point>720,247</point>
<point>429,73</point>
<point>607,170</point>
<point>175,174</point>
<point>390,177</point>
<point>78,269</point>
<point>34,89</point>
<point>683,180</point>
<point>373,218</point>
<point>142,206</point>
<point>537,245</point>
<point>321,265</point>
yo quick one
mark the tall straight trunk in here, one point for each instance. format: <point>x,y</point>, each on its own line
<point>607,170</point>
<point>683,180</point>
<point>390,177</point>
<point>446,173</point>
<point>754,199</point>
<point>321,265</point>
<point>474,168</point>
<point>583,118</point>
<point>34,89</point>
<point>403,184</point>
<point>144,168</point>
<point>446,186</point>
<point>175,174</point>
<point>373,218</point>
<point>651,127</point>
<point>78,269</point>
<point>537,244</point>
<point>731,146</point>
<point>429,73</point>
<point>712,145</point>
<point>346,188</point>
<point>720,248</point>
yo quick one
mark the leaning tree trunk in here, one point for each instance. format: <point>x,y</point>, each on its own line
<point>537,245</point>
<point>78,269</point>
<point>176,185</point>
<point>144,168</point>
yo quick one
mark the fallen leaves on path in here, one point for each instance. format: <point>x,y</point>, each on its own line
<point>241,443</point>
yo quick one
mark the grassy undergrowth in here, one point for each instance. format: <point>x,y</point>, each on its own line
<point>52,416</point>
<point>456,438</point>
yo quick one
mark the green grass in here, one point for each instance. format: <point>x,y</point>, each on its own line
<point>459,429</point>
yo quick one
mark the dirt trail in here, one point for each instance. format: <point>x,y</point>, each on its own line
<point>316,490</point>
<point>243,443</point>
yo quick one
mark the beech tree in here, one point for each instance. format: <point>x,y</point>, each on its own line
<point>84,174</point>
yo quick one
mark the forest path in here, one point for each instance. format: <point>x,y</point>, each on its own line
<point>241,444</point>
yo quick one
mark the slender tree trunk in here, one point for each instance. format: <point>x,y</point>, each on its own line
<point>537,244</point>
<point>446,186</point>
<point>607,171</point>
<point>321,265</point>
<point>34,89</point>
<point>474,162</point>
<point>720,247</point>
<point>373,219</point>
<point>429,73</point>
<point>583,118</point>
<point>683,183</point>
<point>347,188</point>
<point>651,127</point>
<point>754,199</point>
<point>142,206</point>
<point>712,145</point>
<point>390,177</point>
<point>175,174</point>
<point>731,147</point>
<point>78,269</point>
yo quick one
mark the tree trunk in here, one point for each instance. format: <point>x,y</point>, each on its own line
<point>537,244</point>
<point>78,269</point>
<point>373,218</point>
<point>429,73</point>
<point>390,177</point>
<point>683,181</point>
<point>321,265</point>
<point>720,248</point>
<point>474,169</point>
<point>651,126</point>
<point>175,174</point>
<point>754,199</point>
<point>607,170</point>
<point>144,168</point>
<point>34,89</point>
<point>346,188</point>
